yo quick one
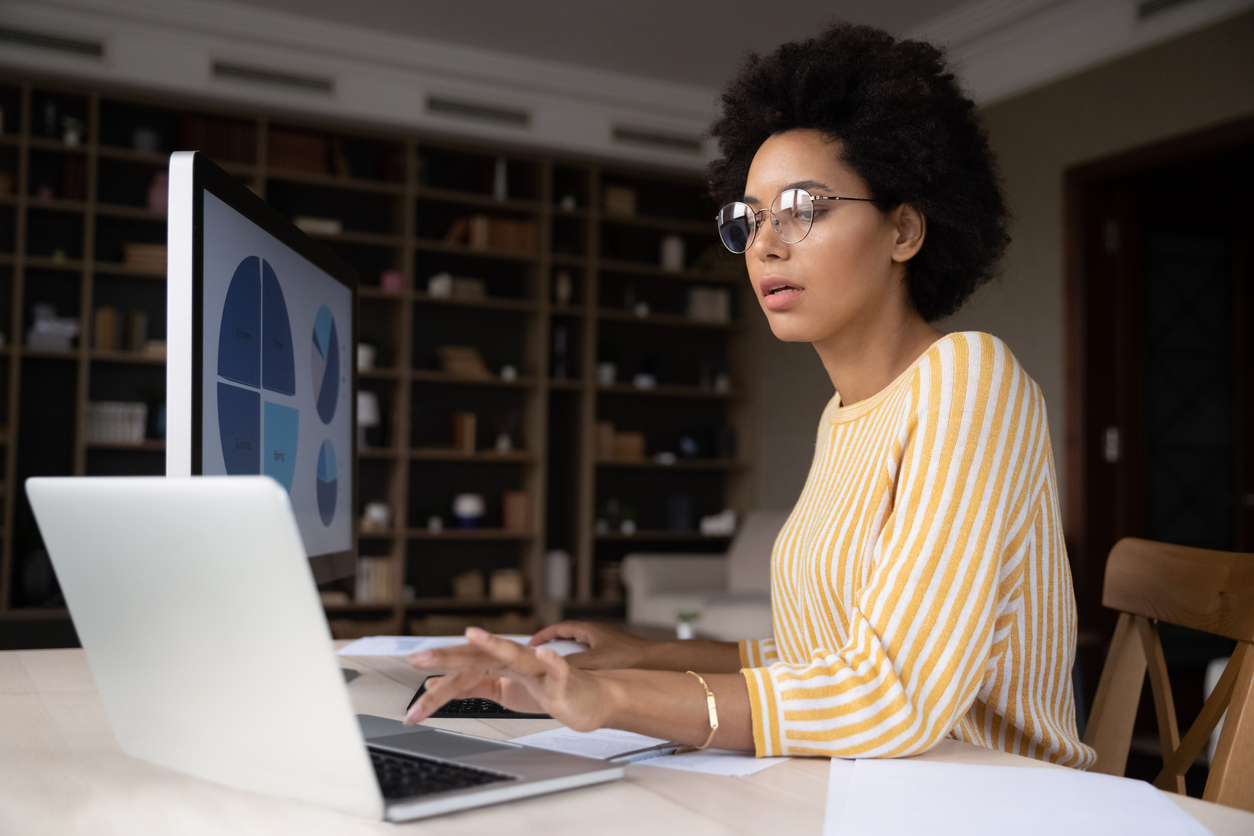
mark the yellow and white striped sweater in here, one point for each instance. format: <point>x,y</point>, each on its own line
<point>920,587</point>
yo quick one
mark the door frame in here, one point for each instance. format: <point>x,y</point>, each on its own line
<point>1082,188</point>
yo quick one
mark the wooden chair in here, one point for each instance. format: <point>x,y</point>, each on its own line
<point>1206,590</point>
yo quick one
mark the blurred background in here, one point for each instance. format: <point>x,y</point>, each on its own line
<point>558,364</point>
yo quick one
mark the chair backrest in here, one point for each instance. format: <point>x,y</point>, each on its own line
<point>749,556</point>
<point>1206,590</point>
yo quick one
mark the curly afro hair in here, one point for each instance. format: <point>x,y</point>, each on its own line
<point>905,127</point>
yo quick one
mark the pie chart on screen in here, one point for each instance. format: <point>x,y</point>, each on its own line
<point>328,483</point>
<point>325,363</point>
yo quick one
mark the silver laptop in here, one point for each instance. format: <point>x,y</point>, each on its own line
<point>200,619</point>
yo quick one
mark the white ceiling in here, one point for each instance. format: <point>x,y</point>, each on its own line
<point>695,42</point>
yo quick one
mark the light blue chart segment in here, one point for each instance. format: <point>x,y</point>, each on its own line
<point>239,338</point>
<point>239,425</point>
<point>328,483</point>
<point>325,363</point>
<point>282,425</point>
<point>278,362</point>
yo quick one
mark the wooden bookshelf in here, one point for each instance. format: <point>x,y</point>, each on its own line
<point>72,207</point>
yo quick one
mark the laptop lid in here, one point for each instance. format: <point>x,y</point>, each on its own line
<point>201,622</point>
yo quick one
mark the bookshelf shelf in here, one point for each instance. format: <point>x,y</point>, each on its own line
<point>551,311</point>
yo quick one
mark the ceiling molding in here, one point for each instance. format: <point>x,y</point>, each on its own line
<point>1003,48</point>
<point>378,78</point>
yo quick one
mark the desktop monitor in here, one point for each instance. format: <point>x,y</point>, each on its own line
<point>260,373</point>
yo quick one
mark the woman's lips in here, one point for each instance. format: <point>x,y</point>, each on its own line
<point>778,294</point>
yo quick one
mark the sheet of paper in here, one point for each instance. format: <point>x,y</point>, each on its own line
<point>908,797</point>
<point>603,743</point>
<point>715,762</point>
<point>405,645</point>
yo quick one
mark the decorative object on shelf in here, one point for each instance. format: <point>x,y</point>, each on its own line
<point>620,200</point>
<point>500,179</point>
<point>159,193</point>
<point>666,457</point>
<point>644,380</point>
<point>709,304</point>
<point>557,575</point>
<point>685,624</point>
<point>391,281</point>
<point>435,524</point>
<point>722,524</point>
<point>560,334</point>
<point>690,445</point>
<point>369,417</point>
<point>155,349</point>
<point>366,354</point>
<point>679,513</point>
<point>45,194</point>
<point>483,232</point>
<point>607,374</point>
<point>296,151</point>
<point>628,447</point>
<point>115,422</point>
<point>463,361</point>
<point>722,382</point>
<point>146,140</point>
<point>641,309</point>
<point>468,586</point>
<point>514,511</point>
<point>671,254</point>
<point>612,581</point>
<point>58,255</point>
<point>50,332</point>
<point>376,518</point>
<point>334,597</point>
<point>448,286</point>
<point>468,509</point>
<point>563,287</point>
<point>568,203</point>
<point>628,525</point>
<point>311,225</point>
<point>507,585</point>
<point>374,580</point>
<point>50,118</point>
<point>150,258</point>
<point>506,426</point>
<point>464,429</point>
<point>71,131</point>
<point>509,373</point>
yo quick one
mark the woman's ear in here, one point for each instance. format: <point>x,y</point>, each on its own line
<point>911,230</point>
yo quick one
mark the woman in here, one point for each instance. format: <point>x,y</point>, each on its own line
<point>920,588</point>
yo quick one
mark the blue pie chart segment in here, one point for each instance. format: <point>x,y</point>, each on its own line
<point>282,425</point>
<point>239,338</point>
<point>325,362</point>
<point>278,363</point>
<point>239,425</point>
<point>328,483</point>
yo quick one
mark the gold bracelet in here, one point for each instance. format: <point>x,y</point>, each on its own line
<point>709,701</point>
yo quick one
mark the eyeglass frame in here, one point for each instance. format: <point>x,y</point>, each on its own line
<point>757,217</point>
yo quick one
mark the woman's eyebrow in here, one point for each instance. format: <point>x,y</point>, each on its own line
<point>800,184</point>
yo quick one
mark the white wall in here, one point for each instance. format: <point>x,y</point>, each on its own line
<point>1187,84</point>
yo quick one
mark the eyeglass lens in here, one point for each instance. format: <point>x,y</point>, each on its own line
<point>792,214</point>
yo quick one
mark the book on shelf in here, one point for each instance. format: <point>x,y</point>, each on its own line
<point>114,422</point>
<point>483,232</point>
<point>297,151</point>
<point>709,304</point>
<point>225,140</point>
<point>464,427</point>
<point>374,580</point>
<point>105,335</point>
<point>150,258</point>
<point>514,511</point>
<point>462,361</point>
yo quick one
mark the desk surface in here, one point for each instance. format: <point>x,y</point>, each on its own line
<point>61,772</point>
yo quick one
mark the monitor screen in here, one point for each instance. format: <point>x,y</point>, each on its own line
<point>273,374</point>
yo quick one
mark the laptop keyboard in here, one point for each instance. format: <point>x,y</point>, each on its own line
<point>405,777</point>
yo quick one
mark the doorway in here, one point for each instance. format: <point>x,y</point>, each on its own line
<point>1160,367</point>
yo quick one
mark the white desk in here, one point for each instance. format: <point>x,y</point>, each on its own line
<point>62,773</point>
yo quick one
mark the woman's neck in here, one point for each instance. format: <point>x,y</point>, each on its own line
<point>863,359</point>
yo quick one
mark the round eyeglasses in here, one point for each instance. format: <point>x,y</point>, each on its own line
<point>792,215</point>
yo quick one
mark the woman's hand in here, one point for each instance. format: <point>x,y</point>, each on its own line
<point>519,678</point>
<point>609,649</point>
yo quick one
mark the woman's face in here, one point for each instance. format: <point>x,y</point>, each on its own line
<point>847,268</point>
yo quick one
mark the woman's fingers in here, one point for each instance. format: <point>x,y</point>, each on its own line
<point>580,631</point>
<point>456,657</point>
<point>441,689</point>
<point>514,657</point>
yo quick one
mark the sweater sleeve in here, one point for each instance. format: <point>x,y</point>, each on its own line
<point>921,626</point>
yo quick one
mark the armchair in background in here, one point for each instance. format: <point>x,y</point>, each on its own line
<point>731,591</point>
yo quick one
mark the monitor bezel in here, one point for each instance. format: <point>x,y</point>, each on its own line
<point>209,177</point>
